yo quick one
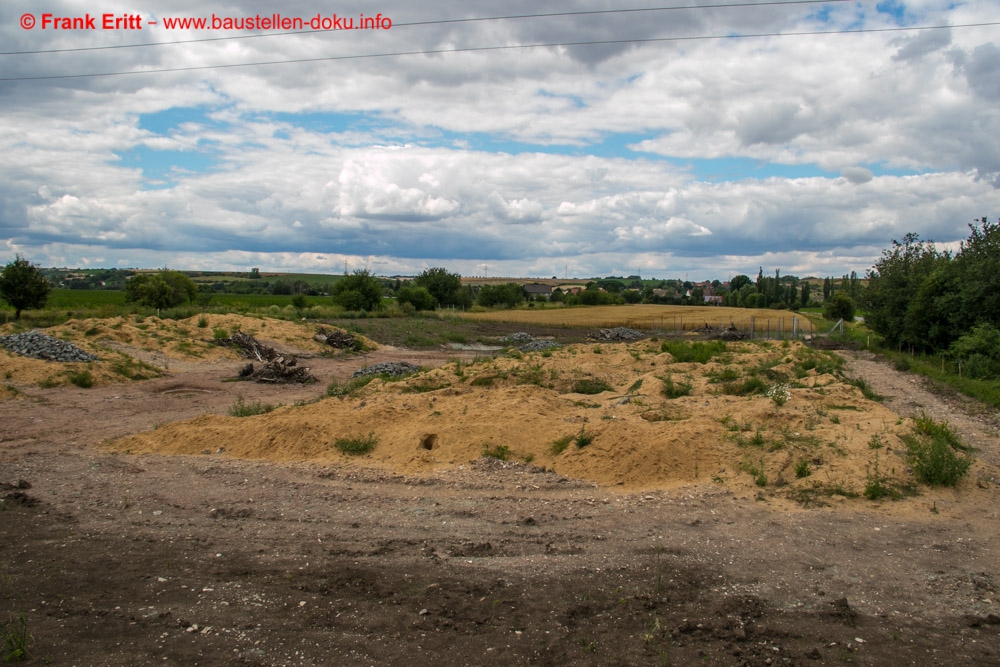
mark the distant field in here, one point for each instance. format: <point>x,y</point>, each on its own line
<point>85,298</point>
<point>647,317</point>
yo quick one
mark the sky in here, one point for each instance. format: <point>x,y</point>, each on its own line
<point>671,142</point>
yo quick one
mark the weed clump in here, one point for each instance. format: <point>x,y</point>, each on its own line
<point>560,445</point>
<point>242,409</point>
<point>933,451</point>
<point>499,452</point>
<point>357,445</point>
<point>82,379</point>
<point>591,386</point>
<point>685,351</point>
<point>673,389</point>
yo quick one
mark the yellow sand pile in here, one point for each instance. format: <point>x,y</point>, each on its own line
<point>819,442</point>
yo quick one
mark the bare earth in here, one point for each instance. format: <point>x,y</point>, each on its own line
<point>118,559</point>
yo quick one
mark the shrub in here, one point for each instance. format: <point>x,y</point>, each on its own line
<point>933,453</point>
<point>356,445</point>
<point>839,307</point>
<point>802,468</point>
<point>591,386</point>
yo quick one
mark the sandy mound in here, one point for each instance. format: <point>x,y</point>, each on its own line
<point>821,442</point>
<point>122,343</point>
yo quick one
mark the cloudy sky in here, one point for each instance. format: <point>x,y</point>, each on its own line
<point>668,143</point>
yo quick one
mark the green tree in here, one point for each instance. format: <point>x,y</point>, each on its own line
<point>358,291</point>
<point>166,289</point>
<point>893,286</point>
<point>508,295</point>
<point>804,296</point>
<point>840,306</point>
<point>738,281</point>
<point>416,296</point>
<point>443,286</point>
<point>22,285</point>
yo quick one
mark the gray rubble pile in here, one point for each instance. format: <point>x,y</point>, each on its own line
<point>518,338</point>
<point>39,346</point>
<point>538,345</point>
<point>394,369</point>
<point>618,334</point>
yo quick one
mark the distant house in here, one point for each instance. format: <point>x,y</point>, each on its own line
<point>538,291</point>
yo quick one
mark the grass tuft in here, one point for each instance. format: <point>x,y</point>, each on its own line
<point>357,445</point>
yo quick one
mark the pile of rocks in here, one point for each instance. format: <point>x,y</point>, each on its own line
<point>518,338</point>
<point>618,334</point>
<point>39,346</point>
<point>396,369</point>
<point>538,345</point>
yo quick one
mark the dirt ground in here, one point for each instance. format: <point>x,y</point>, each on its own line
<point>209,559</point>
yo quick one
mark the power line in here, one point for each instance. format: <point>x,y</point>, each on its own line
<point>509,47</point>
<point>729,5</point>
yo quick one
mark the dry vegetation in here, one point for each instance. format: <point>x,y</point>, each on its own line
<point>645,317</point>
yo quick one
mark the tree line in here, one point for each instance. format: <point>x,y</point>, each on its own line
<point>929,300</point>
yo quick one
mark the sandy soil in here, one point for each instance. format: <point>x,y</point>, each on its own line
<point>126,559</point>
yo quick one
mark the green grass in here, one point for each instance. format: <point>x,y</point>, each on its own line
<point>749,386</point>
<point>350,388</point>
<point>499,452</point>
<point>357,445</point>
<point>673,389</point>
<point>15,639</point>
<point>945,374</point>
<point>685,351</point>
<point>82,379</point>
<point>243,409</point>
<point>560,445</point>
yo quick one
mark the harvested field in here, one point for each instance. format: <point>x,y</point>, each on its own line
<point>645,317</point>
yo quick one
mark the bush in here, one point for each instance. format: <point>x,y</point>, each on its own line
<point>167,289</point>
<point>418,297</point>
<point>359,291</point>
<point>591,386</point>
<point>933,453</point>
<point>839,307</point>
<point>356,445</point>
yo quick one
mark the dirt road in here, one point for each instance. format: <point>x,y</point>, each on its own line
<point>123,560</point>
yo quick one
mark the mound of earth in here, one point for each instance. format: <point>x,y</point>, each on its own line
<point>136,347</point>
<point>600,413</point>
